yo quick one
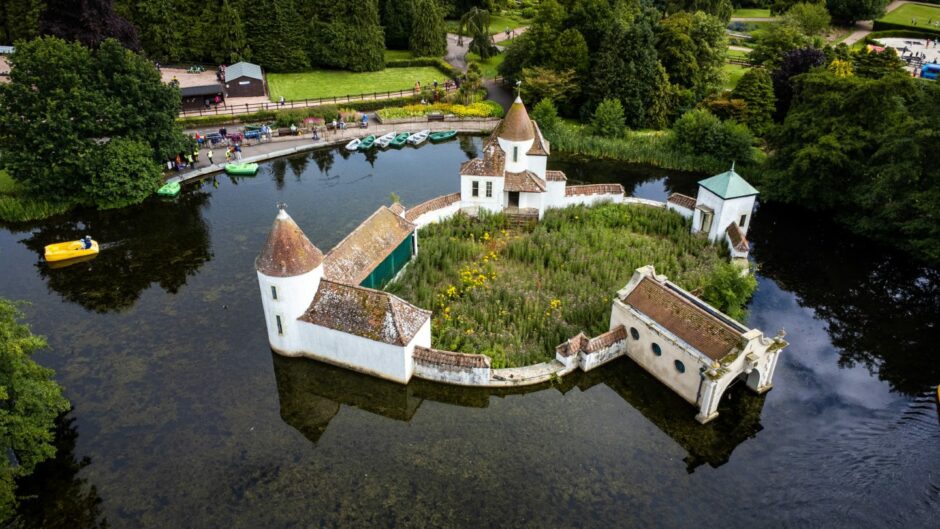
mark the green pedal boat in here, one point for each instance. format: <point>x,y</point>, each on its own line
<point>399,140</point>
<point>169,190</point>
<point>248,169</point>
<point>367,143</point>
<point>437,137</point>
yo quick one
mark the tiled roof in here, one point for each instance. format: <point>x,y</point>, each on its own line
<point>365,312</point>
<point>728,185</point>
<point>594,189</point>
<point>555,176</point>
<point>738,240</point>
<point>516,126</point>
<point>397,208</point>
<point>580,343</point>
<point>573,345</point>
<point>449,358</point>
<point>703,331</point>
<point>493,162</point>
<point>681,200</point>
<point>431,205</point>
<point>287,252</point>
<point>540,145</point>
<point>354,258</point>
<point>526,181</point>
<point>243,69</point>
<point>202,90</point>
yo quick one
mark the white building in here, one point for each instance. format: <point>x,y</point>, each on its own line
<point>722,210</point>
<point>324,318</point>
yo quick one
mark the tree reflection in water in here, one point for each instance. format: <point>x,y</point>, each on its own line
<point>467,146</point>
<point>882,309</point>
<point>162,242</point>
<point>54,497</point>
<point>311,395</point>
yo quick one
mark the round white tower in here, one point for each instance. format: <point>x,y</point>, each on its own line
<point>516,134</point>
<point>289,271</point>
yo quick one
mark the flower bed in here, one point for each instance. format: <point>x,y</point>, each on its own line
<point>482,109</point>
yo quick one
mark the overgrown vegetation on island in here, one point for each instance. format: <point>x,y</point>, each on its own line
<point>515,294</point>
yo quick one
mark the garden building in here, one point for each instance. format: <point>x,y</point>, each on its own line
<point>194,97</point>
<point>375,251</point>
<point>244,79</point>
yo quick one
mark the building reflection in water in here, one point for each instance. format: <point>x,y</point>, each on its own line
<point>311,394</point>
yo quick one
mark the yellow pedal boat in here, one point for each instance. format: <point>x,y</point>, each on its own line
<point>62,251</point>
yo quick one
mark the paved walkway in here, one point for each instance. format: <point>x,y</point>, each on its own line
<point>864,27</point>
<point>457,53</point>
<point>754,19</point>
<point>740,48</point>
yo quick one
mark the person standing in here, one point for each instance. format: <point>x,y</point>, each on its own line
<point>281,100</point>
<point>238,152</point>
<point>209,156</point>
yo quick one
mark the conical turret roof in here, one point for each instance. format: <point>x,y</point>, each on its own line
<point>287,252</point>
<point>516,126</point>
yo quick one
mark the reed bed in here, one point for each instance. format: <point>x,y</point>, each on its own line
<point>514,294</point>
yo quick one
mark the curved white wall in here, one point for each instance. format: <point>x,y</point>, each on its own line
<point>522,161</point>
<point>294,295</point>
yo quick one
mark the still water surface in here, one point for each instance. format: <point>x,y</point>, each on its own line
<point>184,418</point>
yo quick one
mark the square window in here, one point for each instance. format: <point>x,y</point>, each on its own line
<point>489,189</point>
<point>475,189</point>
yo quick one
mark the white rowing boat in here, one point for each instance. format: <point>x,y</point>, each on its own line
<point>353,145</point>
<point>419,137</point>
<point>383,141</point>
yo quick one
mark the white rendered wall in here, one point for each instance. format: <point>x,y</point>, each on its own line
<point>538,164</point>
<point>294,295</point>
<point>437,215</point>
<point>522,163</point>
<point>494,203</point>
<point>391,362</point>
<point>615,350</point>
<point>531,200</point>
<point>685,212</point>
<point>448,374</point>
<point>591,200</point>
<point>726,212</point>
<point>555,194</point>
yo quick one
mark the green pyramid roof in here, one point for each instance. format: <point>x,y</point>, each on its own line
<point>728,185</point>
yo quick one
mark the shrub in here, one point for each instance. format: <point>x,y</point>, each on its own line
<point>126,174</point>
<point>700,131</point>
<point>608,119</point>
<point>546,115</point>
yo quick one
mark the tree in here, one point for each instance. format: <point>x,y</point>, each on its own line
<point>222,34</point>
<point>125,173</point>
<point>692,48</point>
<point>861,149</point>
<point>757,90</point>
<point>267,18</point>
<point>719,8</point>
<point>63,105</point>
<point>851,11</point>
<point>161,39</point>
<point>346,35</point>
<point>428,36</point>
<point>397,19</point>
<point>593,19</point>
<point>546,115</point>
<point>792,64</point>
<point>810,18</point>
<point>772,45</point>
<point>476,24</point>
<point>874,64</point>
<point>544,83</point>
<point>544,32</point>
<point>571,53</point>
<point>31,402</point>
<point>19,19</point>
<point>700,132</point>
<point>728,290</point>
<point>608,119</point>
<point>90,22</point>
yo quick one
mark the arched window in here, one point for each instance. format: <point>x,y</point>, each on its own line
<point>680,367</point>
<point>657,350</point>
<point>634,333</point>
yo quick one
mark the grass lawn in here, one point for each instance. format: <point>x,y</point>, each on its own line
<point>734,72</point>
<point>397,55</point>
<point>921,12</point>
<point>751,13</point>
<point>738,54</point>
<point>334,83</point>
<point>515,294</point>
<point>488,66</point>
<point>498,23</point>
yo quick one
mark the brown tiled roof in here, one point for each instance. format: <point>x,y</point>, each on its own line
<point>738,240</point>
<point>431,205</point>
<point>573,345</point>
<point>526,181</point>
<point>594,189</point>
<point>555,176</point>
<point>681,317</point>
<point>493,162</point>
<point>516,126</point>
<point>681,200</point>
<point>603,341</point>
<point>449,358</point>
<point>540,145</point>
<point>354,258</point>
<point>287,252</point>
<point>365,312</point>
<point>397,208</point>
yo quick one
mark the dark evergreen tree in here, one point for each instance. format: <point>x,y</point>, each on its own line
<point>19,19</point>
<point>850,11</point>
<point>794,62</point>
<point>874,65</point>
<point>222,34</point>
<point>593,19</point>
<point>277,34</point>
<point>428,36</point>
<point>347,36</point>
<point>397,19</point>
<point>571,52</point>
<point>692,49</point>
<point>756,89</point>
<point>719,8</point>
<point>160,38</point>
<point>89,22</point>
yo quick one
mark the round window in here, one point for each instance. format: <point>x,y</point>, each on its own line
<point>680,367</point>
<point>657,350</point>
<point>634,333</point>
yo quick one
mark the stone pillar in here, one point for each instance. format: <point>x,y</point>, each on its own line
<point>708,402</point>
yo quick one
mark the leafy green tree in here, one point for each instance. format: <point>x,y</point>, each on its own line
<point>874,65</point>
<point>19,19</point>
<point>90,22</point>
<point>593,19</point>
<point>810,18</point>
<point>125,173</point>
<point>692,48</point>
<point>345,35</point>
<point>161,39</point>
<point>277,34</point>
<point>772,45</point>
<point>476,24</point>
<point>546,115</point>
<point>863,149</point>
<point>64,101</point>
<point>608,119</point>
<point>543,34</point>
<point>719,8</point>
<point>221,34</point>
<point>397,17</point>
<point>544,83</point>
<point>851,11</point>
<point>757,90</point>
<point>728,290</point>
<point>571,53</point>
<point>31,402</point>
<point>428,36</point>
<point>700,132</point>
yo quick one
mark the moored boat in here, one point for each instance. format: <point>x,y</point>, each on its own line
<point>353,145</point>
<point>170,189</point>
<point>383,141</point>
<point>437,137</point>
<point>62,251</point>
<point>367,143</point>
<point>400,140</point>
<point>241,168</point>
<point>419,137</point>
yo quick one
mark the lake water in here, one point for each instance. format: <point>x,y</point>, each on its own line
<point>183,417</point>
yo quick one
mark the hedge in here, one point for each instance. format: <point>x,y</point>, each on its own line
<point>881,25</point>
<point>435,62</point>
<point>898,34</point>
